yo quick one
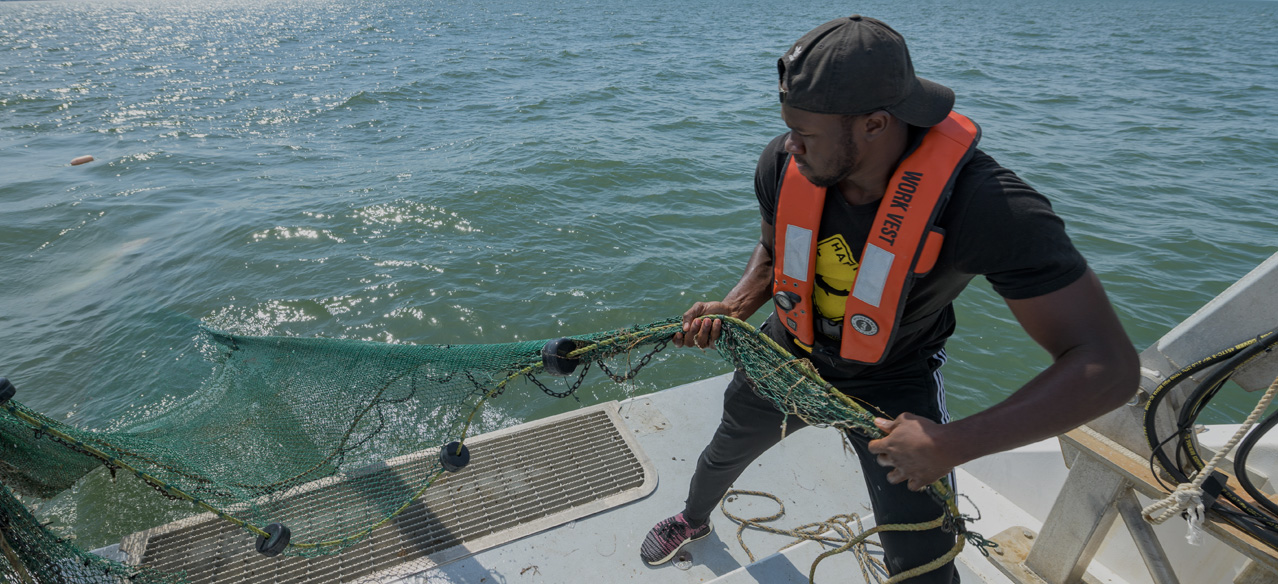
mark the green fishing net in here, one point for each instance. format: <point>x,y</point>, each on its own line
<point>32,554</point>
<point>296,431</point>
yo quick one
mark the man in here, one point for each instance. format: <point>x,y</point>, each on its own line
<point>877,211</point>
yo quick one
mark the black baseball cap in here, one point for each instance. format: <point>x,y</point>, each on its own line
<point>857,65</point>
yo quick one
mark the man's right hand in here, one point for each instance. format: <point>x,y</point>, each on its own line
<point>699,331</point>
<point>753,291</point>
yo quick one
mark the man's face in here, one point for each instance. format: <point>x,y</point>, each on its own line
<point>822,145</point>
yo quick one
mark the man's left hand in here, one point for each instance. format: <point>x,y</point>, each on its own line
<point>914,449</point>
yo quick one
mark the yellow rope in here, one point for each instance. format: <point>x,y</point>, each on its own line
<point>167,488</point>
<point>176,492</point>
<point>846,538</point>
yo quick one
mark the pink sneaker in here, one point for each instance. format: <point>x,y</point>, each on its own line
<point>668,537</point>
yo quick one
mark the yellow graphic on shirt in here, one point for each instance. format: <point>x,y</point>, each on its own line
<point>835,272</point>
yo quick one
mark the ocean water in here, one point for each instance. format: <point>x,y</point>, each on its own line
<point>489,171</point>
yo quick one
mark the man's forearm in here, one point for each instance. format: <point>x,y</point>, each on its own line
<point>1072,391</point>
<point>755,287</point>
<point>1094,370</point>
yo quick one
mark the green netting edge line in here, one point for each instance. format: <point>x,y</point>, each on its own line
<point>776,374</point>
<point>31,554</point>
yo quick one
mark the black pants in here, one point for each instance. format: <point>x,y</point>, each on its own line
<point>751,425</point>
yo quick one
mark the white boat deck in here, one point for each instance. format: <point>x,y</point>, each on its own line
<point>810,471</point>
<point>816,478</point>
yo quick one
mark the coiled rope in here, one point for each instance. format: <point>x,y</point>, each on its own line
<point>847,538</point>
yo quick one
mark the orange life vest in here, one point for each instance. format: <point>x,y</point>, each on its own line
<point>903,243</point>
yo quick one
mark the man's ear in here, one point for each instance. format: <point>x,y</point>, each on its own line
<point>875,124</point>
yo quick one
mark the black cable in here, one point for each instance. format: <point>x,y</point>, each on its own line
<point>1247,524</point>
<point>1197,403</point>
<point>1208,389</point>
<point>1164,389</point>
<point>1194,405</point>
<point>1156,398</point>
<point>1240,462</point>
<point>1257,522</point>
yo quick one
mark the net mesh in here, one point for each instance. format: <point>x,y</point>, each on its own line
<point>30,554</point>
<point>282,417</point>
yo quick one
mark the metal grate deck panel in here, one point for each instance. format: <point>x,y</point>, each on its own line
<point>520,481</point>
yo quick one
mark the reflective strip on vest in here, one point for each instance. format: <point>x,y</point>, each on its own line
<point>871,277</point>
<point>797,253</point>
<point>894,253</point>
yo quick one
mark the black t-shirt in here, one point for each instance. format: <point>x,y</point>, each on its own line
<point>995,225</point>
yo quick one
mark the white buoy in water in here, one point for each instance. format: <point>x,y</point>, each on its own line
<point>77,161</point>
